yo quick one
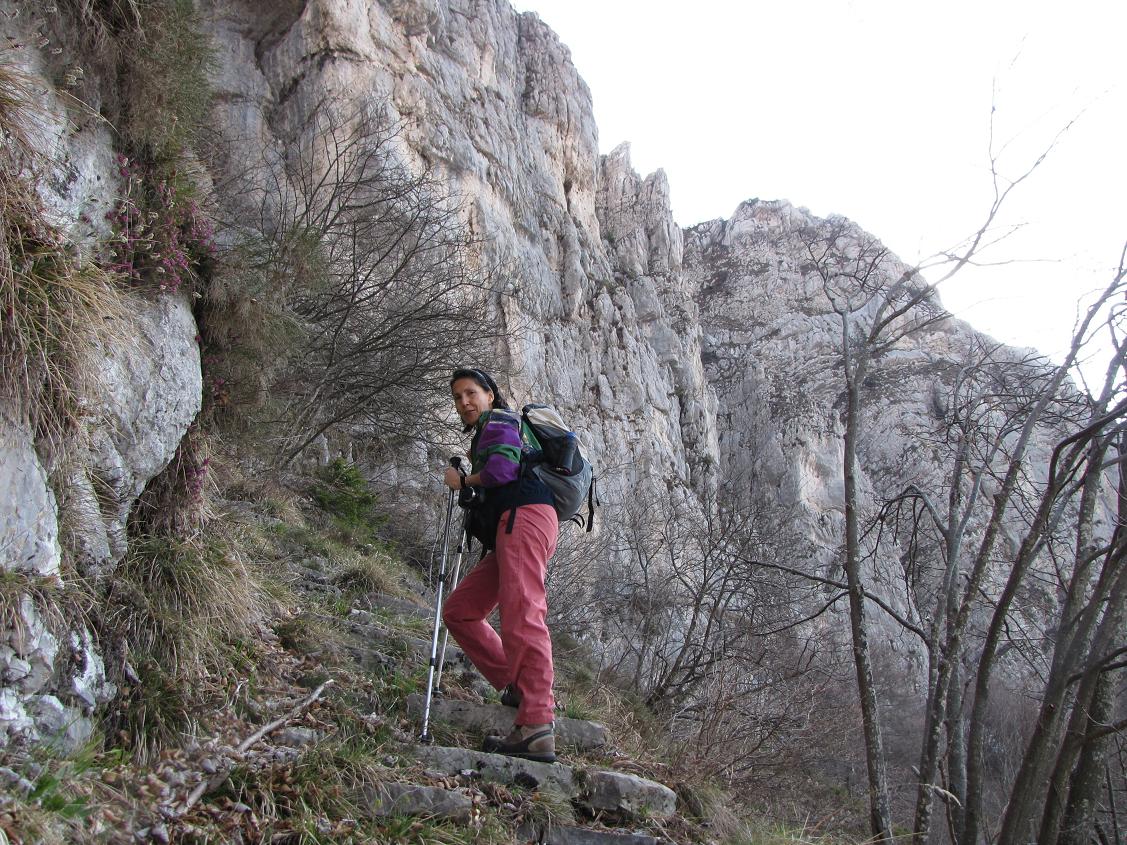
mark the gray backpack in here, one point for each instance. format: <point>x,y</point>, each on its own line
<point>552,451</point>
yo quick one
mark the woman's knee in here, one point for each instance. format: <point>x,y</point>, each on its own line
<point>452,613</point>
<point>459,610</point>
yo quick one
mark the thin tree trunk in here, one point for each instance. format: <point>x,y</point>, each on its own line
<point>1092,615</point>
<point>1078,825</point>
<point>1066,454</point>
<point>1113,809</point>
<point>946,679</point>
<point>1088,777</point>
<point>939,675</point>
<point>945,655</point>
<point>1058,797</point>
<point>976,739</point>
<point>956,751</point>
<point>880,816</point>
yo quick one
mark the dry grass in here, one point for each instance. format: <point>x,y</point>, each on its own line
<point>29,601</point>
<point>167,87</point>
<point>183,600</point>
<point>549,806</point>
<point>107,15</point>
<point>18,113</point>
<point>175,503</point>
<point>16,588</point>
<point>178,619</point>
<point>27,821</point>
<point>162,59</point>
<point>57,315</point>
<point>55,797</point>
<point>370,572</point>
<point>637,732</point>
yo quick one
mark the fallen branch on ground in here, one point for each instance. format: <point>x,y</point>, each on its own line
<point>218,778</point>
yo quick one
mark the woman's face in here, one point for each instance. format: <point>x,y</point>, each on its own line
<point>471,400</point>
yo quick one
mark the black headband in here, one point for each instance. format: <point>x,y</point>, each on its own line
<point>480,376</point>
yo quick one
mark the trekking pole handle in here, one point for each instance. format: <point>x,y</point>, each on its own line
<point>456,462</point>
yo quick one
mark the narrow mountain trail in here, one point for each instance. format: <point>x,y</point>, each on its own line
<point>351,685</point>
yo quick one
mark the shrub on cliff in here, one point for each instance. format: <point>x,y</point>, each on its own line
<point>372,269</point>
<point>158,51</point>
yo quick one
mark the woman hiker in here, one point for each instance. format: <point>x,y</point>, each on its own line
<point>516,523</point>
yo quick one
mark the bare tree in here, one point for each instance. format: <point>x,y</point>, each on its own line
<point>1090,622</point>
<point>713,640</point>
<point>877,304</point>
<point>991,397</point>
<point>997,404</point>
<point>374,269</point>
<point>876,307</point>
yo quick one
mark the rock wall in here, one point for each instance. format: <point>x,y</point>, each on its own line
<point>146,391</point>
<point>772,352</point>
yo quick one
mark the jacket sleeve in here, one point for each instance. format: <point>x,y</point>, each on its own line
<point>497,456</point>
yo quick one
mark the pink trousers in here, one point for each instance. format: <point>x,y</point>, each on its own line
<point>512,577</point>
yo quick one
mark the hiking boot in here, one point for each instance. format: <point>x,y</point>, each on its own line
<point>530,742</point>
<point>510,696</point>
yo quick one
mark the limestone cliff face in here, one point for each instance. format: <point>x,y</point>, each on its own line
<point>697,355</point>
<point>772,352</point>
<point>490,98</point>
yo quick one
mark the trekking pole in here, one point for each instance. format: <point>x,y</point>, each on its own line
<point>463,545</point>
<point>425,735</point>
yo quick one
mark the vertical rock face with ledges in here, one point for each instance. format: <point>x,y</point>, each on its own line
<point>771,352</point>
<point>489,98</point>
<point>646,249</point>
<point>772,347</point>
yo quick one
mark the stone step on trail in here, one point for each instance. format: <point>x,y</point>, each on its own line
<point>557,834</point>
<point>371,659</point>
<point>498,719</point>
<point>402,607</point>
<point>626,796</point>
<point>497,768</point>
<point>614,794</point>
<point>364,617</point>
<point>409,799</point>
<point>419,650</point>
<point>373,631</point>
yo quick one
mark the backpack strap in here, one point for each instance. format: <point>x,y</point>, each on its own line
<point>511,520</point>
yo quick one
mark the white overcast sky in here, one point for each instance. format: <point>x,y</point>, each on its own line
<point>880,110</point>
